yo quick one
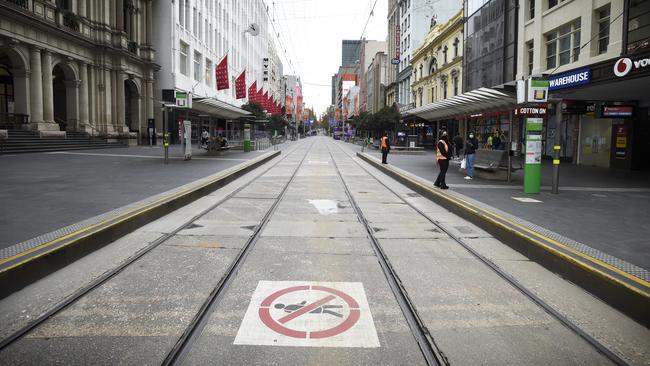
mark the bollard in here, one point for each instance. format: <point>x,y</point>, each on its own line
<point>556,169</point>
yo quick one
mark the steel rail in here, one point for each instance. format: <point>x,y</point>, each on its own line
<point>508,278</point>
<point>105,277</point>
<point>430,350</point>
<point>184,344</point>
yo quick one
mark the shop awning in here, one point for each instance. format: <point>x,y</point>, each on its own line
<point>475,101</point>
<point>218,108</point>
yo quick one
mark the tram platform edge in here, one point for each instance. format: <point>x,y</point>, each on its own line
<point>32,264</point>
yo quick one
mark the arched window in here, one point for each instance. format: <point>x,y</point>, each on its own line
<point>433,65</point>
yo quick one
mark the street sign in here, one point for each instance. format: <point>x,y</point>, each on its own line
<point>183,99</point>
<point>308,314</point>
<point>394,61</point>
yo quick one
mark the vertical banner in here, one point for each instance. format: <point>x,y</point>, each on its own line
<point>222,74</point>
<point>265,101</point>
<point>259,98</point>
<point>252,92</point>
<point>288,105</point>
<point>240,85</point>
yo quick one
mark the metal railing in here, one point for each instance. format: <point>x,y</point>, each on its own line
<point>21,3</point>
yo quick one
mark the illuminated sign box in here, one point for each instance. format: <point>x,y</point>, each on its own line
<point>617,111</point>
<point>569,79</point>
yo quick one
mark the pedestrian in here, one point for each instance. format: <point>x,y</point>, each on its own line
<point>443,153</point>
<point>205,136</point>
<point>470,153</point>
<point>385,147</point>
<point>458,144</point>
<point>496,142</point>
<point>489,142</point>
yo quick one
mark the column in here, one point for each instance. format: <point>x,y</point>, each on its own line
<point>92,86</point>
<point>48,99</point>
<point>82,8</point>
<point>119,15</point>
<point>83,94</point>
<point>149,102</point>
<point>36,86</point>
<point>108,101</point>
<point>119,103</point>
<point>148,20</point>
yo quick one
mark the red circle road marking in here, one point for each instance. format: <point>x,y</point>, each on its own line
<point>349,322</point>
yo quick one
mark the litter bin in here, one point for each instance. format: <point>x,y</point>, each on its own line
<point>248,146</point>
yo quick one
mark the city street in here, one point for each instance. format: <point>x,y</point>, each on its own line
<point>319,230</point>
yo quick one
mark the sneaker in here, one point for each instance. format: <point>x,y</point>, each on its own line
<point>436,185</point>
<point>468,177</point>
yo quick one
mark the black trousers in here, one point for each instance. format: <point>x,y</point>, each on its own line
<point>444,165</point>
<point>384,155</point>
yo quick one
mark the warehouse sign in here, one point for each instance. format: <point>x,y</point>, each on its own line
<point>570,79</point>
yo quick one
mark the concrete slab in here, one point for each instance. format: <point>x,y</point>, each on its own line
<point>342,246</point>
<point>323,229</point>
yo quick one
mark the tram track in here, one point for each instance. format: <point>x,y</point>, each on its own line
<point>107,276</point>
<point>598,346</point>
<point>430,350</point>
<point>184,344</point>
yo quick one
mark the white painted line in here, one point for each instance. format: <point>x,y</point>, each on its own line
<point>137,156</point>
<point>308,314</point>
<point>526,200</point>
<point>317,162</point>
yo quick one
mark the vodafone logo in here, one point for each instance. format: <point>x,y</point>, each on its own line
<point>622,67</point>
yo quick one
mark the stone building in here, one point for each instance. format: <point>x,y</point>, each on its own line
<point>76,65</point>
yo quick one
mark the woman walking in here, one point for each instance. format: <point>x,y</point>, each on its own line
<point>443,154</point>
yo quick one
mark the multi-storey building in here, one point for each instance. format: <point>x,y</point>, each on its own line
<point>77,65</point>
<point>393,43</point>
<point>350,50</point>
<point>376,76</point>
<point>193,36</point>
<point>415,19</point>
<point>437,64</point>
<point>368,51</point>
<point>595,54</point>
<point>292,88</point>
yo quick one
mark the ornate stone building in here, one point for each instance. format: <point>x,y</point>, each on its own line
<point>77,65</point>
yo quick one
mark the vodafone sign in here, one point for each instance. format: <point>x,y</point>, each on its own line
<point>624,65</point>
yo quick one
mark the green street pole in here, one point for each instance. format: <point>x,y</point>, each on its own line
<point>533,162</point>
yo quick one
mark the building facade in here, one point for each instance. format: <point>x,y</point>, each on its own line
<point>350,50</point>
<point>368,51</point>
<point>192,37</point>
<point>437,64</point>
<point>77,66</point>
<point>394,50</point>
<point>376,79</point>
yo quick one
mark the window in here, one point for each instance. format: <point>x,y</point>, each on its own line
<point>197,66</point>
<point>531,9</point>
<point>603,28</point>
<point>183,59</point>
<point>531,47</point>
<point>433,65</point>
<point>208,72</point>
<point>181,13</point>
<point>420,71</point>
<point>456,42</point>
<point>444,53</point>
<point>563,45</point>
<point>444,89</point>
<point>195,23</point>
<point>455,82</point>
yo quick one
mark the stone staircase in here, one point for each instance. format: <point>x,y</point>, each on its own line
<point>29,142</point>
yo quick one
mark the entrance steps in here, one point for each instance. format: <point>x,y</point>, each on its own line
<point>29,142</point>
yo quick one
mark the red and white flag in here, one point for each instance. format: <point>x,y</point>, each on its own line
<point>240,85</point>
<point>222,74</point>
<point>252,92</point>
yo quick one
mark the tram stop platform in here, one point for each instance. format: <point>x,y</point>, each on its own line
<point>597,222</point>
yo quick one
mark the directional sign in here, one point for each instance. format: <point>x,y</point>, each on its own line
<point>308,314</point>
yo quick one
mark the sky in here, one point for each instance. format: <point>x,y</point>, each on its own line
<point>311,31</point>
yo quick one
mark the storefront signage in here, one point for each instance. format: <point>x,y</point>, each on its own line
<point>537,90</point>
<point>397,42</point>
<point>621,141</point>
<point>617,111</point>
<point>623,66</point>
<point>569,79</point>
<point>530,111</point>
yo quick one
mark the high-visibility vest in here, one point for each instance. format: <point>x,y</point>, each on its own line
<point>384,144</point>
<point>439,154</point>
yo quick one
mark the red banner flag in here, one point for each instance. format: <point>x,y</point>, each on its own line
<point>240,85</point>
<point>259,99</point>
<point>265,101</point>
<point>222,74</point>
<point>252,92</point>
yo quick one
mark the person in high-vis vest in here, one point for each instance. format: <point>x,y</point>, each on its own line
<point>443,153</point>
<point>384,144</point>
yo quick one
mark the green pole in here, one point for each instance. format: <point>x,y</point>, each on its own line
<point>533,163</point>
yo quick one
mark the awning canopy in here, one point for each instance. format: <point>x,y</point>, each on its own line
<point>218,108</point>
<point>475,101</point>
